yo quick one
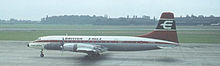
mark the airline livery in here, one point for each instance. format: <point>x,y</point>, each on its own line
<point>164,35</point>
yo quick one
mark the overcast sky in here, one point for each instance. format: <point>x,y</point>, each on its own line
<point>36,9</point>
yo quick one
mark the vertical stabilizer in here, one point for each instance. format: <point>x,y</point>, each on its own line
<point>165,30</point>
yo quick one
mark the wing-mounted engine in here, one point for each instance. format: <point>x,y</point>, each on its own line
<point>85,48</point>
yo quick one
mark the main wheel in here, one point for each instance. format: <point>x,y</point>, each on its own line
<point>41,55</point>
<point>94,55</point>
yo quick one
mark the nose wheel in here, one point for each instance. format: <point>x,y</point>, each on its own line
<point>41,53</point>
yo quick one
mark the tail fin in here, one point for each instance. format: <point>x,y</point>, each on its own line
<point>165,30</point>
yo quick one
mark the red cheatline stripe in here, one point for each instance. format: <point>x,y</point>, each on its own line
<point>101,41</point>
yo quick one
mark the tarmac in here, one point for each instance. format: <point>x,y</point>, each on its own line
<point>16,53</point>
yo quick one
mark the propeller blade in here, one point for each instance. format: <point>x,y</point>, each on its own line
<point>62,47</point>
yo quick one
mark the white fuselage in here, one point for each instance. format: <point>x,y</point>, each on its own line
<point>114,43</point>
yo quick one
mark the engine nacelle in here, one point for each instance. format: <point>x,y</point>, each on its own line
<point>78,47</point>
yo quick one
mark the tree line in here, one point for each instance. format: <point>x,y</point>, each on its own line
<point>105,20</point>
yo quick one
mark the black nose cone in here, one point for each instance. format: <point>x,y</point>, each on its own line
<point>27,45</point>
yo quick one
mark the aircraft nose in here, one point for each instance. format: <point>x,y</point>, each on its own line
<point>27,45</point>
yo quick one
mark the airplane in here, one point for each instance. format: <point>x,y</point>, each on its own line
<point>164,35</point>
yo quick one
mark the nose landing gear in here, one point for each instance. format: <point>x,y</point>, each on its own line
<point>41,53</point>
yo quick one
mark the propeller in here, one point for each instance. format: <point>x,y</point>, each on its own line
<point>62,47</point>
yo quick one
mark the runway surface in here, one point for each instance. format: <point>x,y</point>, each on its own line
<point>15,53</point>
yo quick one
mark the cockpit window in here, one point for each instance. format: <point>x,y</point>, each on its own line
<point>39,39</point>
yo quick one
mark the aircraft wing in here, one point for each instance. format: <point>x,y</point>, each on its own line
<point>85,48</point>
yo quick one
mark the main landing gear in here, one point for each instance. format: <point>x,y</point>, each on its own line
<point>93,55</point>
<point>41,53</point>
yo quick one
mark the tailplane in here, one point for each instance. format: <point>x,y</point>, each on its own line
<point>165,30</point>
